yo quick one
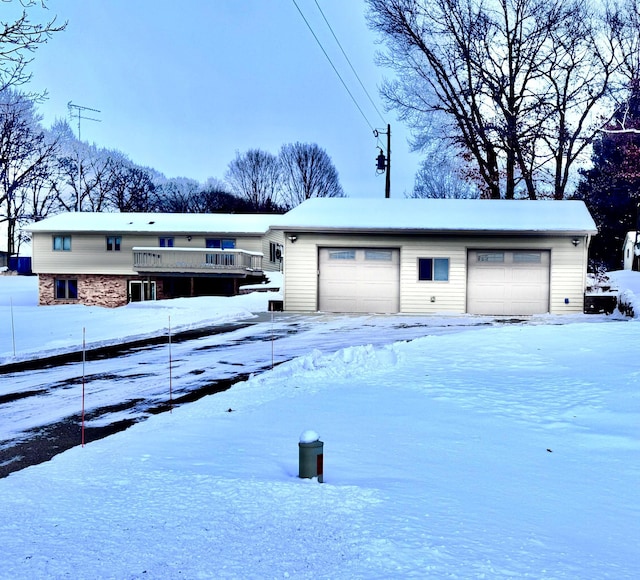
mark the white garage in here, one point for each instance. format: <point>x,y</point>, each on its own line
<point>508,282</point>
<point>436,256</point>
<point>359,280</point>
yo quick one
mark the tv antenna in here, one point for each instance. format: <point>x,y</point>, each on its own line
<point>78,111</point>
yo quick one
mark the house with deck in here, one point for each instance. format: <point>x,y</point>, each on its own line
<point>494,257</point>
<point>110,259</point>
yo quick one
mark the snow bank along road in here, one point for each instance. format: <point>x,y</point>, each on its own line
<point>41,401</point>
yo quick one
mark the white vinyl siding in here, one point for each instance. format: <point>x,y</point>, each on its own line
<point>89,253</point>
<point>567,268</point>
<point>273,237</point>
<point>301,276</point>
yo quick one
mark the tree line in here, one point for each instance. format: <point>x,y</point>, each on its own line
<point>44,171</point>
<point>521,99</point>
<point>516,89</point>
<point>47,171</point>
<point>506,99</point>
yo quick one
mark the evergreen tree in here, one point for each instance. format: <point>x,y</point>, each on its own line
<point>611,188</point>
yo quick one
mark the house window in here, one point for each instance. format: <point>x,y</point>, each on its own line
<point>221,243</point>
<point>166,242</point>
<point>114,243</point>
<point>62,243</point>
<point>433,269</point>
<point>66,289</point>
<point>275,252</point>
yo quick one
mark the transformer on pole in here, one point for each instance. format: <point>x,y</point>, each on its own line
<point>383,164</point>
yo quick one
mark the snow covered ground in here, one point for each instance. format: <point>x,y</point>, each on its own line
<point>512,451</point>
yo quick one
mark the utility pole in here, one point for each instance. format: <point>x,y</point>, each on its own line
<point>384,163</point>
<point>78,111</point>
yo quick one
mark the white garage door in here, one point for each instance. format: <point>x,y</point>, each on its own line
<point>508,282</point>
<point>359,280</point>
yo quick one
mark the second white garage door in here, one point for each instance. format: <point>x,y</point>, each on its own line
<point>508,282</point>
<point>359,280</point>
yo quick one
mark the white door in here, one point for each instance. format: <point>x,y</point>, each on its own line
<point>508,282</point>
<point>139,290</point>
<point>359,280</point>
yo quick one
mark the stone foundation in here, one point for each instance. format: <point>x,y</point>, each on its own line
<point>93,289</point>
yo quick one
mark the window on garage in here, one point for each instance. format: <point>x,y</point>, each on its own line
<point>494,257</point>
<point>342,254</point>
<point>378,255</point>
<point>433,269</point>
<point>527,257</point>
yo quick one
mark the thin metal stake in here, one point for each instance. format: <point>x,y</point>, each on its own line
<point>13,332</point>
<point>170,373</point>
<point>84,357</point>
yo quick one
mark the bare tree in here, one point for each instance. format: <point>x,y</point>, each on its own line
<point>307,171</point>
<point>85,178</point>
<point>18,40</point>
<point>256,176</point>
<point>518,80</point>
<point>129,188</point>
<point>84,172</point>
<point>177,195</point>
<point>26,161</point>
<point>440,177</point>
<point>214,197</point>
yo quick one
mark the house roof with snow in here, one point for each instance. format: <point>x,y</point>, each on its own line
<point>98,222</point>
<point>438,216</point>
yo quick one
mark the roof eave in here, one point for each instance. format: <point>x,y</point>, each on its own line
<point>438,231</point>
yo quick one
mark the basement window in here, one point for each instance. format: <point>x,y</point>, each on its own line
<point>66,289</point>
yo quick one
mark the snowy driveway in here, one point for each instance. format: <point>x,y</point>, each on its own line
<point>41,409</point>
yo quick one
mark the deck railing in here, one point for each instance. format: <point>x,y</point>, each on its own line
<point>196,260</point>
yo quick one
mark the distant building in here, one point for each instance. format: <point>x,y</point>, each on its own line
<point>631,251</point>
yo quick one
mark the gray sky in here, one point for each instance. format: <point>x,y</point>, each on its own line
<point>182,86</point>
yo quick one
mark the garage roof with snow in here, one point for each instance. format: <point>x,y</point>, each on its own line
<point>438,215</point>
<point>98,222</point>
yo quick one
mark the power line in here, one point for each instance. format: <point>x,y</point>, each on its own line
<point>333,66</point>
<point>347,59</point>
